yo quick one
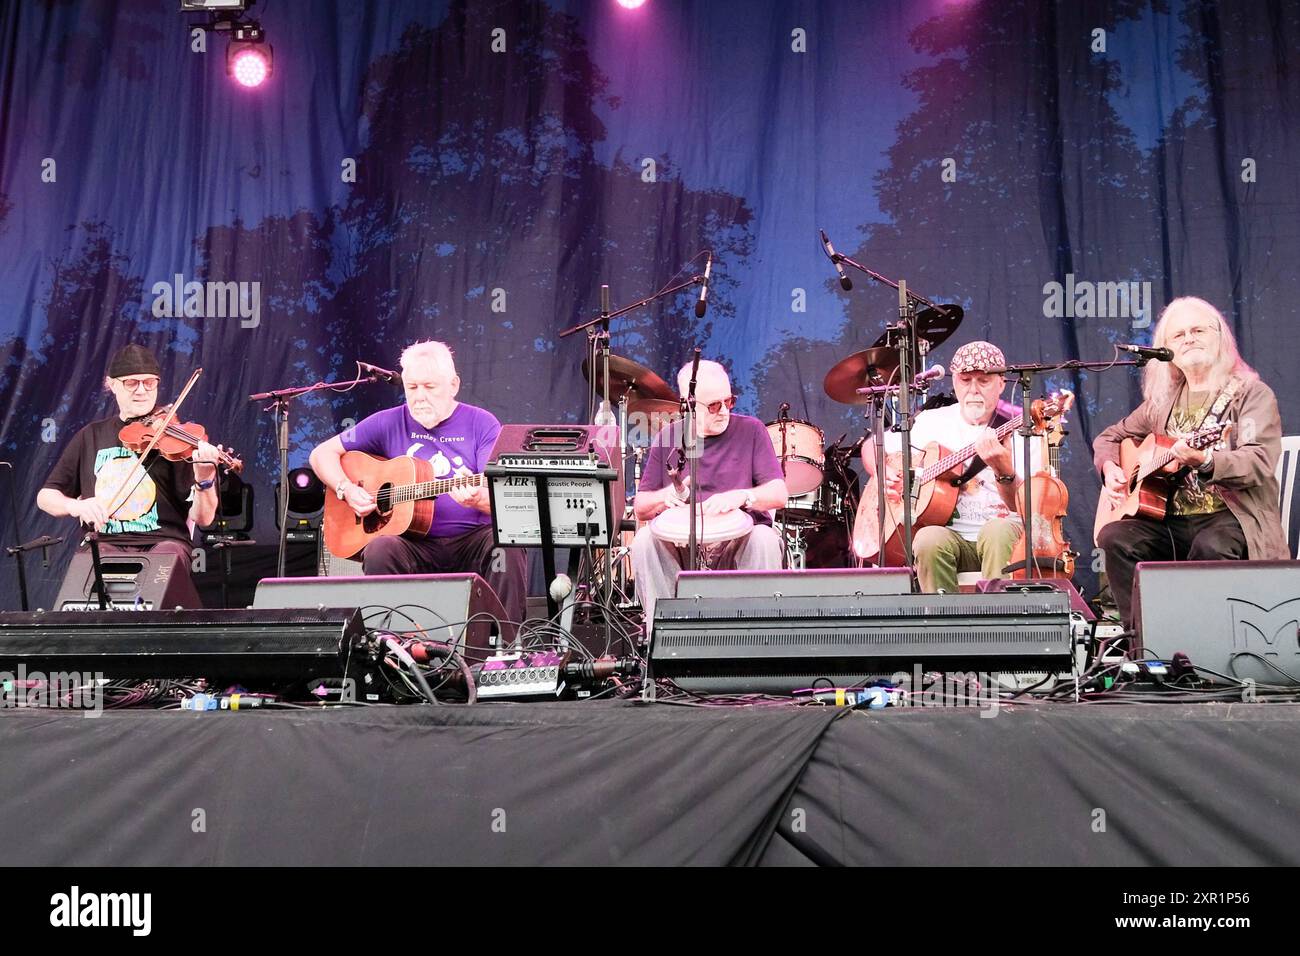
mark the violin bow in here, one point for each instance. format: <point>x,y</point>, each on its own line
<point>140,459</point>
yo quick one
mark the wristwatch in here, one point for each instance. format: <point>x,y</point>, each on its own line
<point>1006,479</point>
<point>341,488</point>
<point>750,499</point>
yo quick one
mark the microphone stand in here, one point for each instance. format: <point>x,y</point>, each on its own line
<point>693,467</point>
<point>17,551</point>
<point>903,337</point>
<point>603,320</point>
<point>280,399</point>
<point>92,538</point>
<point>1024,377</point>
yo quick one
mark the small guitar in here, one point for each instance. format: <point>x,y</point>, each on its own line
<point>403,488</point>
<point>934,491</point>
<point>1153,475</point>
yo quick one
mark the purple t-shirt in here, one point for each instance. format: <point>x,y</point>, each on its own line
<point>458,446</point>
<point>741,457</point>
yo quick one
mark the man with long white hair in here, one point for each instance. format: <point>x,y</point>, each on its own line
<point>456,439</point>
<point>1227,506</point>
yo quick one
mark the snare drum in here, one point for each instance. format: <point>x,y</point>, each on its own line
<point>798,446</point>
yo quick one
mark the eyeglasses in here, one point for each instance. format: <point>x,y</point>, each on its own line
<point>139,384</point>
<point>1196,332</point>
<point>715,408</point>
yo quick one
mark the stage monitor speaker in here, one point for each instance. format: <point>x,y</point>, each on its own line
<point>1237,618</point>
<point>1036,585</point>
<point>777,645</point>
<point>137,581</point>
<point>261,650</point>
<point>437,604</point>
<point>811,582</point>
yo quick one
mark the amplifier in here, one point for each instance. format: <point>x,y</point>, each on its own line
<point>581,468</point>
<point>1237,618</point>
<point>261,649</point>
<point>769,645</point>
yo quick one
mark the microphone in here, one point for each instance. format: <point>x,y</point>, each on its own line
<point>1146,352</point>
<point>380,374</point>
<point>785,412</point>
<point>845,282</point>
<point>930,374</point>
<point>702,305</point>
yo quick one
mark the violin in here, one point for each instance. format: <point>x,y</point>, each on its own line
<point>174,441</point>
<point>1051,557</point>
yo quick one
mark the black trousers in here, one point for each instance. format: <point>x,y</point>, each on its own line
<point>1212,537</point>
<point>505,569</point>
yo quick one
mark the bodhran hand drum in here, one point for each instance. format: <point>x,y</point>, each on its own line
<point>798,446</point>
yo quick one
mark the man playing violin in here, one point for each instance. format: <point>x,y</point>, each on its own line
<point>737,470</point>
<point>97,482</point>
<point>985,525</point>
<point>456,439</point>
<point>1227,506</point>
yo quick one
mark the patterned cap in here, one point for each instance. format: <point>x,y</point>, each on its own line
<point>976,357</point>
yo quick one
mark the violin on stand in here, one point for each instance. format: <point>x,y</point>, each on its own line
<point>1051,557</point>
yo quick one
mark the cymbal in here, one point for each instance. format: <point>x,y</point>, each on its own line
<point>934,325</point>
<point>850,374</point>
<point>630,379</point>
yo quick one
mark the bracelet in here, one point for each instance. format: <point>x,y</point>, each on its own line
<point>1005,479</point>
<point>205,484</point>
<point>341,488</point>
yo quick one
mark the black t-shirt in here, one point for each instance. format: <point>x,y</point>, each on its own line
<point>95,464</point>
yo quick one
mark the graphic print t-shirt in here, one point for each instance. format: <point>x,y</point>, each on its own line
<point>979,501</point>
<point>94,465</point>
<point>458,446</point>
<point>1193,496</point>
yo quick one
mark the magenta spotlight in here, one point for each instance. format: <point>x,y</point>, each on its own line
<point>631,4</point>
<point>250,66</point>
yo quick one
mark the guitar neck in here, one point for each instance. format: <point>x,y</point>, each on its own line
<point>963,455</point>
<point>423,490</point>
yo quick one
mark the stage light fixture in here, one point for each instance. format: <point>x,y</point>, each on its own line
<point>306,504</point>
<point>249,56</point>
<point>234,518</point>
<point>203,6</point>
<point>631,4</point>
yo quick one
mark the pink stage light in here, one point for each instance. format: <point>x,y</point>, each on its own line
<point>250,67</point>
<point>631,4</point>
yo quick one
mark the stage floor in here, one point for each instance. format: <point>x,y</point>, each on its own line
<point>632,783</point>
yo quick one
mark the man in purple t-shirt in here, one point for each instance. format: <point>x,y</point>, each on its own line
<point>737,469</point>
<point>456,440</point>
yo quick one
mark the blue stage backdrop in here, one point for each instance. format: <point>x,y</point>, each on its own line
<point>473,172</point>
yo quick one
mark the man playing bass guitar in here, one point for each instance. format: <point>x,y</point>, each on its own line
<point>456,439</point>
<point>984,526</point>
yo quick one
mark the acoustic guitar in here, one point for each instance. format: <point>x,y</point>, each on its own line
<point>1154,474</point>
<point>934,490</point>
<point>404,490</point>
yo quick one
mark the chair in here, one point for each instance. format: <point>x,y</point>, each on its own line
<point>1288,470</point>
